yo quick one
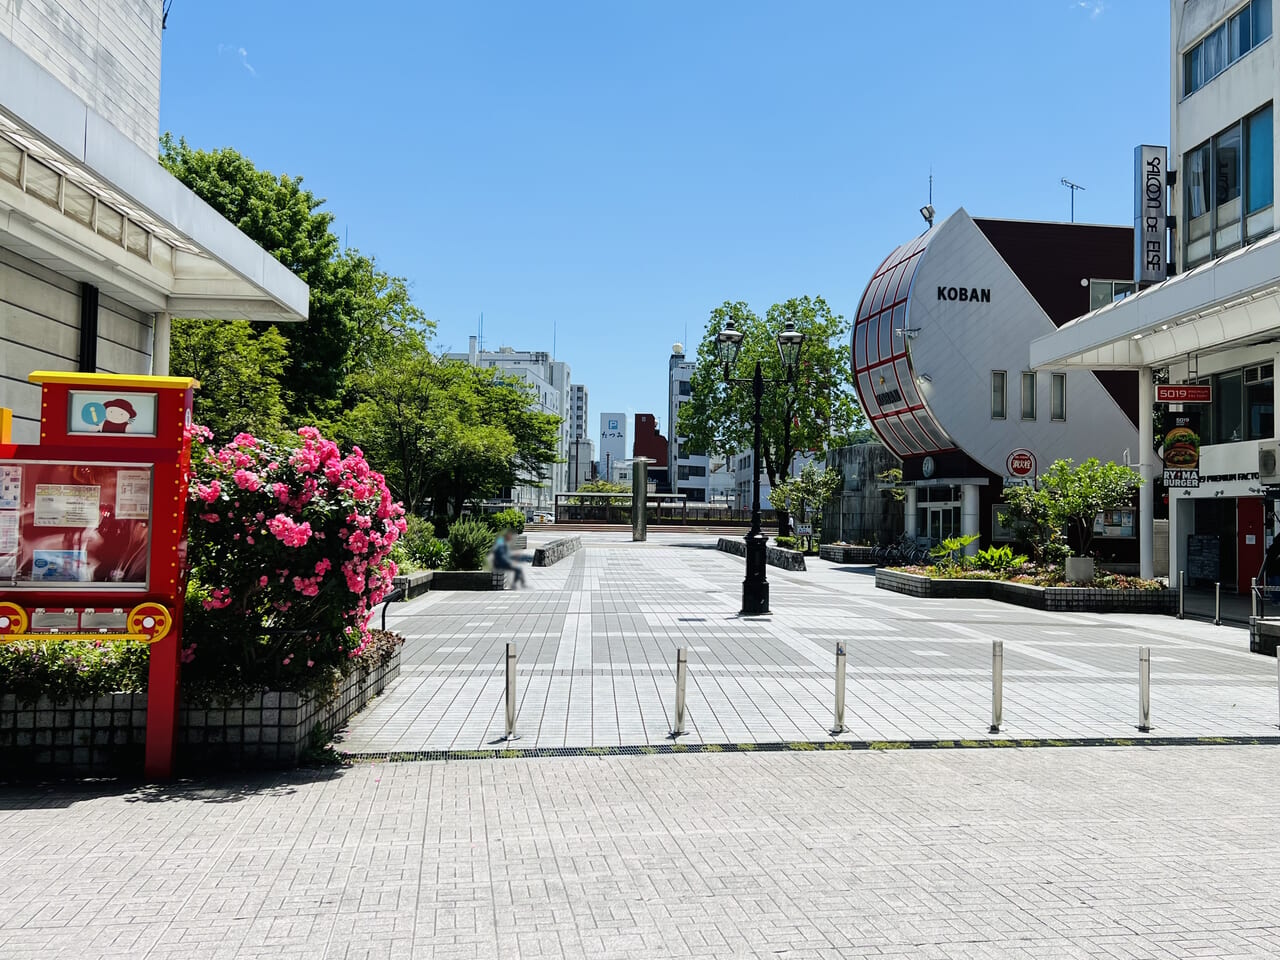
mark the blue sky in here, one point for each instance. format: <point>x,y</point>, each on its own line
<point>618,169</point>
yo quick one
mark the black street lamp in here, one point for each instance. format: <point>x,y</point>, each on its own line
<point>755,588</point>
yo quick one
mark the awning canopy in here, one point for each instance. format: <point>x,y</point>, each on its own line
<point>1230,302</point>
<point>81,198</point>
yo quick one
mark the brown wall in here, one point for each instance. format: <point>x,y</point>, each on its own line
<point>648,441</point>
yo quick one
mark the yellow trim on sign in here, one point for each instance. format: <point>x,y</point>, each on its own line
<point>132,381</point>
<point>6,425</point>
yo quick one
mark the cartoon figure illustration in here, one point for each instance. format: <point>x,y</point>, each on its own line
<point>120,414</point>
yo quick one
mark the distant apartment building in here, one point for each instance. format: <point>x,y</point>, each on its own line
<point>742,466</point>
<point>549,380</point>
<point>99,244</point>
<point>613,443</point>
<point>689,469</point>
<point>582,463</point>
<point>578,412</point>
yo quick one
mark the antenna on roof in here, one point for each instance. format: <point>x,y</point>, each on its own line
<point>927,210</point>
<point>1073,187</point>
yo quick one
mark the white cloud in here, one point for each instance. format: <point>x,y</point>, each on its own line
<point>1093,7</point>
<point>240,52</point>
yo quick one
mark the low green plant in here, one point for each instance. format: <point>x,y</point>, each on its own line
<point>469,544</point>
<point>949,554</point>
<point>72,671</point>
<point>421,545</point>
<point>509,519</point>
<point>786,543</point>
<point>999,559</point>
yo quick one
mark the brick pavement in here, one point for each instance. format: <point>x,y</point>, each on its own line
<point>597,638</point>
<point>1112,853</point>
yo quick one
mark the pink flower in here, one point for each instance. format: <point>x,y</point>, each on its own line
<point>209,493</point>
<point>210,517</point>
<point>246,480</point>
<point>262,581</point>
<point>323,567</point>
<point>288,532</point>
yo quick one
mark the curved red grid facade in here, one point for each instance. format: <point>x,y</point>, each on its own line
<point>882,370</point>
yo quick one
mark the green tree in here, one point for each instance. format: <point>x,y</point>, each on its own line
<point>816,411</point>
<point>445,433</point>
<point>239,372</point>
<point>807,493</point>
<point>357,312</point>
<point>1067,500</point>
<point>604,486</point>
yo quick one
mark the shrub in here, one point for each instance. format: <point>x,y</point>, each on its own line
<point>72,671</point>
<point>509,519</point>
<point>289,549</point>
<point>421,544</point>
<point>786,543</point>
<point>469,544</point>
<point>999,559</point>
<point>949,554</point>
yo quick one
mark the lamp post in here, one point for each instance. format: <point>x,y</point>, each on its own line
<point>755,588</point>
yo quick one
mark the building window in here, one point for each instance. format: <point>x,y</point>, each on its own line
<point>1029,396</point>
<point>1229,189</point>
<point>1103,292</point>
<point>686,388</point>
<point>1225,45</point>
<point>685,472</point>
<point>1058,396</point>
<point>999,393</point>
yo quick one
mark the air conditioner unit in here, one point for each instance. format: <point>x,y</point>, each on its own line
<point>1269,462</point>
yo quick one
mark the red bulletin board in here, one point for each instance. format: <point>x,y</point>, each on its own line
<point>93,526</point>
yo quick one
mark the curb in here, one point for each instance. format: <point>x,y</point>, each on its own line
<point>837,746</point>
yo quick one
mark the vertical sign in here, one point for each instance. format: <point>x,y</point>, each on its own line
<point>1150,227</point>
<point>1182,450</point>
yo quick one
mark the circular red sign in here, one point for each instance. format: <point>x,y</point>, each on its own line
<point>1021,463</point>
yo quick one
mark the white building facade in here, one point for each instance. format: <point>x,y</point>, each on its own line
<point>689,470</point>
<point>99,245</point>
<point>548,379</point>
<point>613,444</point>
<point>1215,323</point>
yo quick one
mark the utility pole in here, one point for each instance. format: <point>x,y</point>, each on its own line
<point>1073,187</point>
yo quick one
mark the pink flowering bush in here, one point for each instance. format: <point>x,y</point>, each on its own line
<point>289,550</point>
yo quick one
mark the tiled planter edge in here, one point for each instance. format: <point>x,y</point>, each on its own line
<point>774,556</point>
<point>1075,599</point>
<point>106,735</point>
<point>841,553</point>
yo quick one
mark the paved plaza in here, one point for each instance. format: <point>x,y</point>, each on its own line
<point>597,638</point>
<point>1115,852</point>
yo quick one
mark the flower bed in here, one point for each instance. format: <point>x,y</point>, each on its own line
<point>988,586</point>
<point>106,733</point>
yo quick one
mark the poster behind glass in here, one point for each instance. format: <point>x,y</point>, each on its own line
<point>74,526</point>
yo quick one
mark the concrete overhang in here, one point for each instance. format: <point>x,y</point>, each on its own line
<point>1230,302</point>
<point>67,176</point>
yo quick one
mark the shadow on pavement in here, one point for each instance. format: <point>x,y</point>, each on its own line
<point>214,788</point>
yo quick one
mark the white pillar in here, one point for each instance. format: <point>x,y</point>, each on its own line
<point>909,513</point>
<point>969,519</point>
<point>1146,469</point>
<point>160,345</point>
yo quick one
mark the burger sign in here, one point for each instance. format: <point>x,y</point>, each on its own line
<point>1182,450</point>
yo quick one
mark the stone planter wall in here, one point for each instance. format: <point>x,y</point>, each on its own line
<point>1263,636</point>
<point>774,556</point>
<point>467,580</point>
<point>556,550</point>
<point>838,553</point>
<point>413,584</point>
<point>106,735</point>
<point>1062,599</point>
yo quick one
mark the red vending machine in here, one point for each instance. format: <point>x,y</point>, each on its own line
<point>93,526</point>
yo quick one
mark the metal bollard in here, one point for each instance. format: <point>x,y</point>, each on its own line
<point>838,726</point>
<point>1182,587</point>
<point>682,670</point>
<point>511,692</point>
<point>1253,598</point>
<point>1278,672</point>
<point>997,684</point>
<point>1217,604</point>
<point>1144,689</point>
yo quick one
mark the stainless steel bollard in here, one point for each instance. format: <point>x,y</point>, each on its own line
<point>682,671</point>
<point>997,685</point>
<point>1278,672</point>
<point>1253,598</point>
<point>1182,587</point>
<point>511,692</point>
<point>1144,689</point>
<point>1217,604</point>
<point>838,726</point>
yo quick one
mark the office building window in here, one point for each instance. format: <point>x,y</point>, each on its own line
<point>1102,292</point>
<point>686,388</point>
<point>1058,396</point>
<point>1225,45</point>
<point>999,394</point>
<point>1029,396</point>
<point>1229,188</point>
